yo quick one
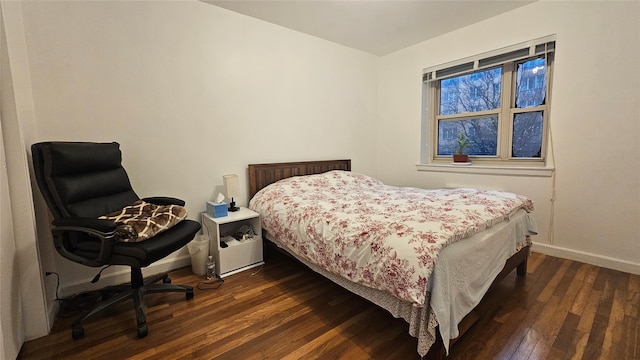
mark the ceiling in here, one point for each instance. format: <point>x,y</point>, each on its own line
<point>378,27</point>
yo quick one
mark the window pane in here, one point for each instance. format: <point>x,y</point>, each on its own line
<point>530,83</point>
<point>478,91</point>
<point>527,135</point>
<point>481,132</point>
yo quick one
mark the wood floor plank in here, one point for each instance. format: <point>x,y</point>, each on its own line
<point>580,302</point>
<point>589,312</point>
<point>564,341</point>
<point>561,310</point>
<point>557,297</point>
<point>551,286</point>
<point>570,278</point>
<point>578,344</point>
<point>601,318</point>
<point>631,338</point>
<point>540,351</point>
<point>327,339</point>
<point>614,334</point>
<point>534,262</point>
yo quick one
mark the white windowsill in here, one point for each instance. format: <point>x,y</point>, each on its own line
<point>530,171</point>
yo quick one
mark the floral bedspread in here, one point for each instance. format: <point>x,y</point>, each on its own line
<point>384,237</point>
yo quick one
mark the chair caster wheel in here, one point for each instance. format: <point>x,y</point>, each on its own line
<point>77,332</point>
<point>143,331</point>
<point>166,280</point>
<point>189,295</point>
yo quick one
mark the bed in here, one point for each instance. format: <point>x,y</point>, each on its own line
<point>475,244</point>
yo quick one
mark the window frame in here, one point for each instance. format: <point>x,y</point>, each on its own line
<point>508,59</point>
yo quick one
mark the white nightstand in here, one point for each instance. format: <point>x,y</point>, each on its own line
<point>238,255</point>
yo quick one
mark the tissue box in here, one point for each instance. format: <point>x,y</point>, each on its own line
<point>217,210</point>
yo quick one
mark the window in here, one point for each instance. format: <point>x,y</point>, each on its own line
<point>498,100</point>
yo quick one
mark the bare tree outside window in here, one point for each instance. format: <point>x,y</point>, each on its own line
<point>472,104</point>
<point>530,93</point>
<point>476,92</point>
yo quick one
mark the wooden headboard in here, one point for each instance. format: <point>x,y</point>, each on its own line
<point>261,175</point>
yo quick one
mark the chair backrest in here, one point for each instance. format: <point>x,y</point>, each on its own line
<point>82,179</point>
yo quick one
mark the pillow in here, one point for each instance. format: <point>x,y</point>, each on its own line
<point>142,220</point>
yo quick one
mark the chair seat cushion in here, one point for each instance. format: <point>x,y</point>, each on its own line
<point>142,220</point>
<point>141,254</point>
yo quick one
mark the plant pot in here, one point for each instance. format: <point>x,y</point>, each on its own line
<point>460,158</point>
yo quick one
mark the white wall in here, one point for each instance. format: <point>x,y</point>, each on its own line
<point>594,118</point>
<point>192,91</point>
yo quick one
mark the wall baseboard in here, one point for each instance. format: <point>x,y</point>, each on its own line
<point>589,258</point>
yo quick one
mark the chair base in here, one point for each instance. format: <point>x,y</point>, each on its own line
<point>138,288</point>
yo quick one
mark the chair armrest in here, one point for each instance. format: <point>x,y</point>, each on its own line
<point>164,200</point>
<point>103,230</point>
<point>100,226</point>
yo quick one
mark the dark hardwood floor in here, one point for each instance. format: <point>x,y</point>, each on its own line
<point>562,310</point>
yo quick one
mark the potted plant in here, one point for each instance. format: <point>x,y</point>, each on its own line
<point>462,143</point>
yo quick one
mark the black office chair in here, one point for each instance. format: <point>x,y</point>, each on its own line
<point>82,181</point>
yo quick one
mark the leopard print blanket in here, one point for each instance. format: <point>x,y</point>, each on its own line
<point>142,220</point>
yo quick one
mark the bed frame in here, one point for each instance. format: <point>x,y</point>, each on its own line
<point>262,175</point>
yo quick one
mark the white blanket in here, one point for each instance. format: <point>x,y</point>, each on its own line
<point>465,271</point>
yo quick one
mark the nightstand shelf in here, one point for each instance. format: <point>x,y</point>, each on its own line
<point>238,255</point>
